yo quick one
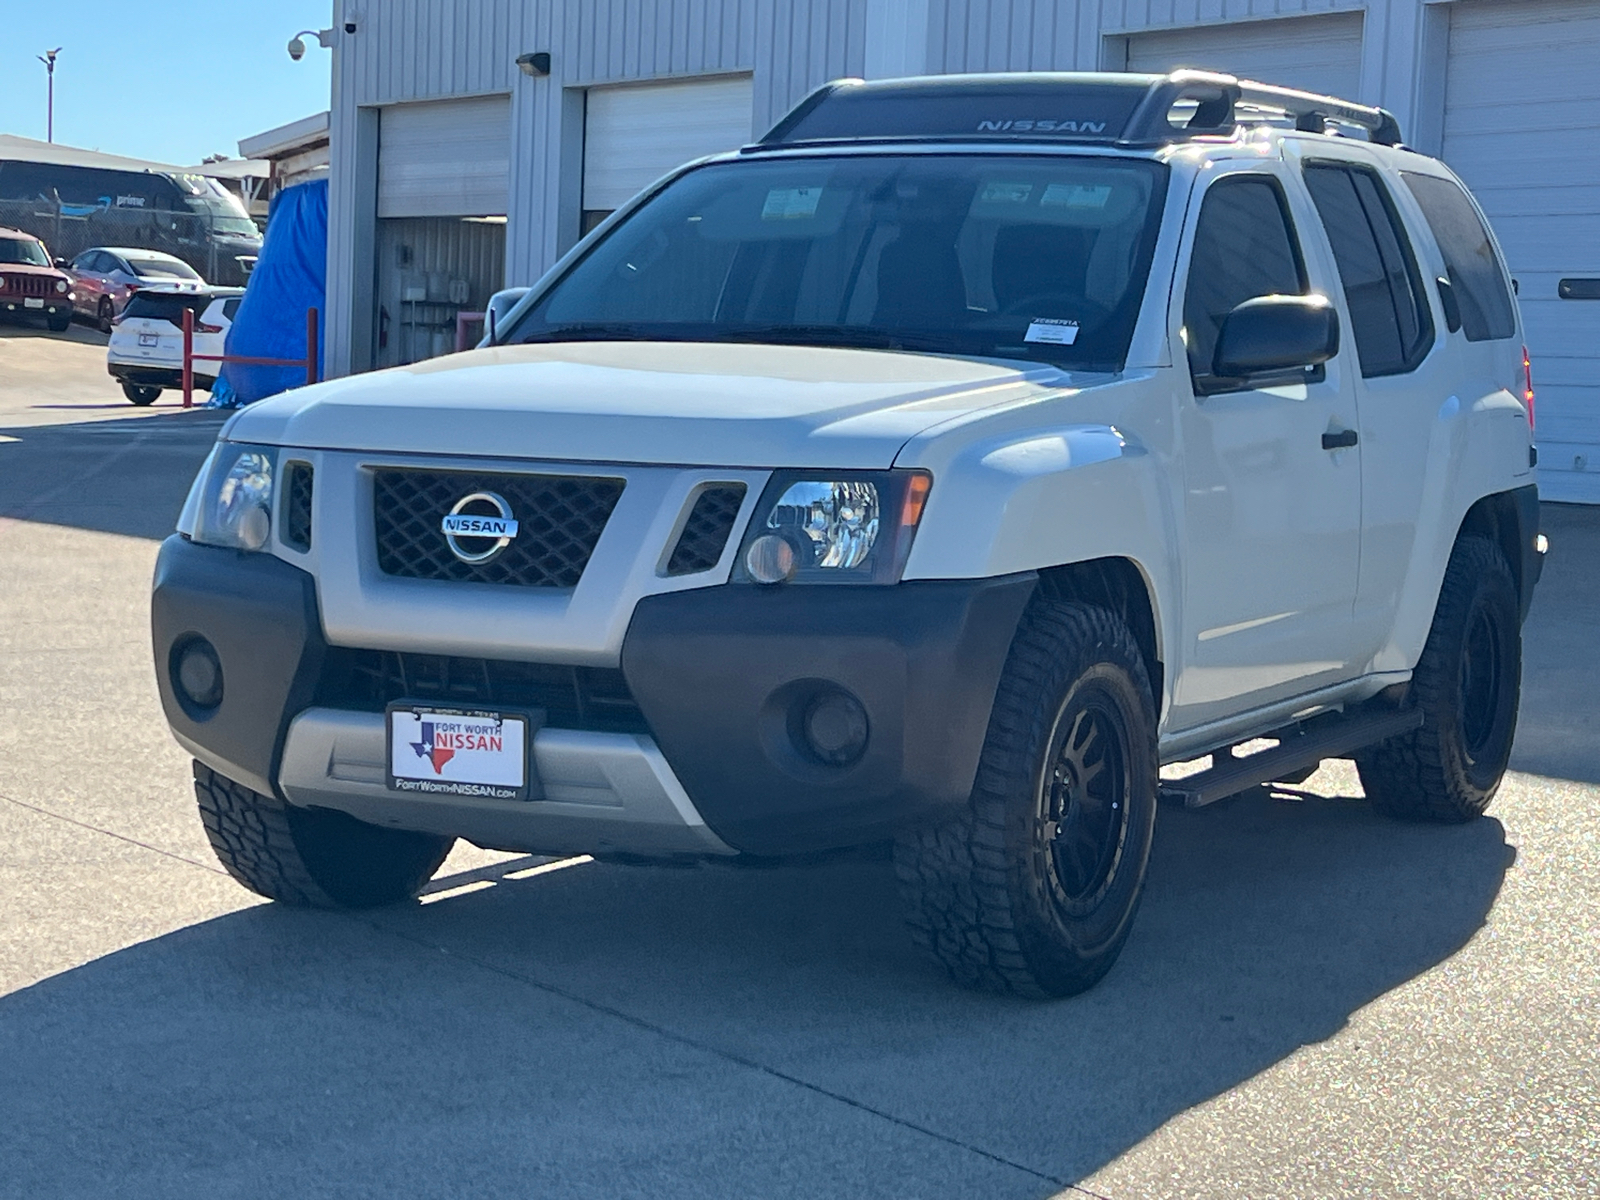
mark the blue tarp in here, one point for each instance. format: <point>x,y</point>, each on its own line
<point>290,277</point>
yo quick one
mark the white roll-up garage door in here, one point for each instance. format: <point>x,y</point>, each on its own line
<point>445,158</point>
<point>1319,54</point>
<point>1522,127</point>
<point>635,135</point>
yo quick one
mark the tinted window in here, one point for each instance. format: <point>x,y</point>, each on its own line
<point>1244,247</point>
<point>1040,257</point>
<point>1473,267</point>
<point>231,307</point>
<point>1391,321</point>
<point>168,267</point>
<point>166,306</point>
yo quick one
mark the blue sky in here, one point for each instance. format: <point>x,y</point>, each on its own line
<point>169,80</point>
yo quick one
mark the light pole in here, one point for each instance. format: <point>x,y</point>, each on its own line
<point>48,58</point>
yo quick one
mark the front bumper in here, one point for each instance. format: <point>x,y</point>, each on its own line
<point>718,673</point>
<point>52,308</point>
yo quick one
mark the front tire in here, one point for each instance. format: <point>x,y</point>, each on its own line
<point>105,314</point>
<point>141,394</point>
<point>311,857</point>
<point>1033,888</point>
<point>59,324</point>
<point>1468,685</point>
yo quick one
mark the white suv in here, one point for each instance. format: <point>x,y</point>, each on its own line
<point>933,470</point>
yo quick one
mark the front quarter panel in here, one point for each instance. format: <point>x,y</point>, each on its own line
<point>1081,477</point>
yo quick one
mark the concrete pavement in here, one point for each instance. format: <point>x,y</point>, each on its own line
<point>1314,1003</point>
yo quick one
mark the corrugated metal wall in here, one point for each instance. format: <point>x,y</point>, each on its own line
<point>421,49</point>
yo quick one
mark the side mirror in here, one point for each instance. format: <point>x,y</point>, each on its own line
<point>62,264</point>
<point>1274,339</point>
<point>500,306</point>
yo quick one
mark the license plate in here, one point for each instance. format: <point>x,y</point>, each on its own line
<point>462,752</point>
<point>149,339</point>
<point>32,302</point>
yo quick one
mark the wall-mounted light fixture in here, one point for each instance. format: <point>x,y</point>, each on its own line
<point>536,64</point>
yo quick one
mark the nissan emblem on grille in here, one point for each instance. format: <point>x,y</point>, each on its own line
<point>475,535</point>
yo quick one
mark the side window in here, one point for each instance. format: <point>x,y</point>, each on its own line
<point>1470,262</point>
<point>1393,326</point>
<point>84,261</point>
<point>1244,247</point>
<point>230,307</point>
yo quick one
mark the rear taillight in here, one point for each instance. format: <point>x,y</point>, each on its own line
<point>1527,384</point>
<point>202,327</point>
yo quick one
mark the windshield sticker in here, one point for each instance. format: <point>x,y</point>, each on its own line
<point>1001,192</point>
<point>1051,331</point>
<point>791,204</point>
<point>1075,195</point>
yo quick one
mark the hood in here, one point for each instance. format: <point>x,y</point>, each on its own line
<point>708,404</point>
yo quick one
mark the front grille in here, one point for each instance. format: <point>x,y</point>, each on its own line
<point>560,519</point>
<point>297,481</point>
<point>706,531</point>
<point>29,285</point>
<point>593,698</point>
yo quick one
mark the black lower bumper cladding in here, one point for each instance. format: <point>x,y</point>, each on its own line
<point>725,675</point>
<point>260,615</point>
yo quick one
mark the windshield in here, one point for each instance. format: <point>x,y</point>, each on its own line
<point>168,267</point>
<point>1035,257</point>
<point>206,195</point>
<point>23,250</point>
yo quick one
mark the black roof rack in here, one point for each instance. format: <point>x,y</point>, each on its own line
<point>1106,108</point>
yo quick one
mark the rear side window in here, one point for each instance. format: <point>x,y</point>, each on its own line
<point>165,306</point>
<point>231,307</point>
<point>1244,247</point>
<point>1473,267</point>
<point>1393,325</point>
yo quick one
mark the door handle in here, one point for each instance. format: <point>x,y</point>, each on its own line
<point>1342,440</point>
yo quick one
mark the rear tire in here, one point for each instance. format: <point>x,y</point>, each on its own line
<point>140,394</point>
<point>1468,685</point>
<point>312,857</point>
<point>1033,888</point>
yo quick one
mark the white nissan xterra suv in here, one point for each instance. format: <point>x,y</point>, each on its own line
<point>932,470</point>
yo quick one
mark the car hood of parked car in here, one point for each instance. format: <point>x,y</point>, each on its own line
<point>710,404</point>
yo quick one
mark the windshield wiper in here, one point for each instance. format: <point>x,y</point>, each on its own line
<point>599,331</point>
<point>854,338</point>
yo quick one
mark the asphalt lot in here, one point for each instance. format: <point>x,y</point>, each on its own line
<point>1314,1003</point>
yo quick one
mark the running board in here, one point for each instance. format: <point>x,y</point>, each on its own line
<point>1297,749</point>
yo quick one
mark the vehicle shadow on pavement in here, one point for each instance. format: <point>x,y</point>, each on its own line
<point>126,477</point>
<point>713,1031</point>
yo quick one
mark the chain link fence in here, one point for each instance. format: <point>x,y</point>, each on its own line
<point>221,256</point>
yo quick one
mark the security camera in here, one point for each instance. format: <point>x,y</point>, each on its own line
<point>297,49</point>
<point>349,26</point>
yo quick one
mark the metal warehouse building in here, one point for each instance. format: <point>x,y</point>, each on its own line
<point>456,172</point>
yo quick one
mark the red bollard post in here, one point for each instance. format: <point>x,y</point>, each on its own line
<point>188,356</point>
<point>311,346</point>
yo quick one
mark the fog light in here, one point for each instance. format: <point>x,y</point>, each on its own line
<point>198,673</point>
<point>835,727</point>
<point>770,559</point>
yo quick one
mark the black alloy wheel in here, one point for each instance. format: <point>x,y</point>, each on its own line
<point>1084,807</point>
<point>105,314</point>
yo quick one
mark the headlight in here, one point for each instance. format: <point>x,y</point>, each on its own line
<point>834,528</point>
<point>61,285</point>
<point>232,502</point>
